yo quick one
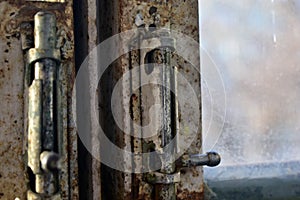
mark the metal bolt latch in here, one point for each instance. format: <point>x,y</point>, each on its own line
<point>43,156</point>
<point>164,180</point>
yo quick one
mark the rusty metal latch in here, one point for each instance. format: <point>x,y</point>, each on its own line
<point>164,180</point>
<point>43,153</point>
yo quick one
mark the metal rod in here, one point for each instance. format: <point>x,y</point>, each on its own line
<point>168,191</point>
<point>49,116</point>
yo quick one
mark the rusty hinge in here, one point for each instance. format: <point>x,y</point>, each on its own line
<point>43,152</point>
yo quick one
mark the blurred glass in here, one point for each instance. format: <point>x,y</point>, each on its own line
<point>255,46</point>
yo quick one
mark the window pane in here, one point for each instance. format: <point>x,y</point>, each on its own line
<point>255,47</point>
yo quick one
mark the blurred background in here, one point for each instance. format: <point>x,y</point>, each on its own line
<point>253,47</point>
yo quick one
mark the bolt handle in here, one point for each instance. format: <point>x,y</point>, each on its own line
<point>50,161</point>
<point>210,159</point>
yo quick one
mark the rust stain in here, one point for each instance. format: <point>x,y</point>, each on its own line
<point>12,168</point>
<point>14,14</point>
<point>188,195</point>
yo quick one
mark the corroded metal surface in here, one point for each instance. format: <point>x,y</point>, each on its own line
<point>185,20</point>
<point>13,181</point>
<point>181,16</point>
<point>92,31</point>
<point>86,32</point>
<point>58,1</point>
<point>12,168</point>
<point>150,13</point>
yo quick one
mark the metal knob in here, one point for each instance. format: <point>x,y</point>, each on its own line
<point>49,161</point>
<point>210,159</point>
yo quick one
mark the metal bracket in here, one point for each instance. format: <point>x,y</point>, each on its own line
<point>35,55</point>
